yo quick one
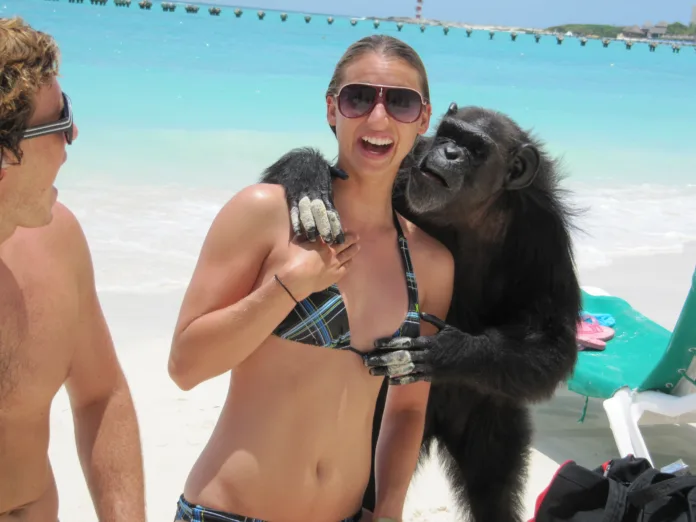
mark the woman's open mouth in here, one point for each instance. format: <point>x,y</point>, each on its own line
<point>376,146</point>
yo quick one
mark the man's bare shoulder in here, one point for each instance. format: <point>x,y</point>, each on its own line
<point>64,236</point>
<point>55,255</point>
<point>61,239</point>
<point>64,222</point>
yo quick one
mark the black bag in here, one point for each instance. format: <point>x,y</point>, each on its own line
<point>621,490</point>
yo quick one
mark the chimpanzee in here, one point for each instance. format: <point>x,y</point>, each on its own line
<point>487,190</point>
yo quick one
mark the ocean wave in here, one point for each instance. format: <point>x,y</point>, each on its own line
<point>632,220</point>
<point>147,239</point>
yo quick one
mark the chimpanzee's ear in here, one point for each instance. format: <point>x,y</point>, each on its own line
<point>523,167</point>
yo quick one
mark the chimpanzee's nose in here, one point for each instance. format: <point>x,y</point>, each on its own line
<point>453,152</point>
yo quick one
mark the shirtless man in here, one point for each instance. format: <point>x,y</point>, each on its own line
<point>52,331</point>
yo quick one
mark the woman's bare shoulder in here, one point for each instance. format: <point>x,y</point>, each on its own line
<point>260,202</point>
<point>433,264</point>
<point>426,248</point>
<point>264,196</point>
<point>256,212</point>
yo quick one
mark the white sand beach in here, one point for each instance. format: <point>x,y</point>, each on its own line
<point>175,424</point>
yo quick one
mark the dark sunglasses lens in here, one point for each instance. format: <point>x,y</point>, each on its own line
<point>356,100</point>
<point>403,104</point>
<point>67,114</point>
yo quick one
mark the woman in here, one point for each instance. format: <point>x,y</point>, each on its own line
<point>293,442</point>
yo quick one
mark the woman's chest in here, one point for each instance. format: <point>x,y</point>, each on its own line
<point>375,294</point>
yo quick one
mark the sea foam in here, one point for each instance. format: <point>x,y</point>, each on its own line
<point>147,239</point>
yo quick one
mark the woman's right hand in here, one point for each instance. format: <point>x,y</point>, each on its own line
<point>314,266</point>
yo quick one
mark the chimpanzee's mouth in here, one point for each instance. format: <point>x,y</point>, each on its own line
<point>430,174</point>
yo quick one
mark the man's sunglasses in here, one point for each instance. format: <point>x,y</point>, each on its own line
<point>401,103</point>
<point>64,124</point>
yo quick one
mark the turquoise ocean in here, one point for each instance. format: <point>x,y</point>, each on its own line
<point>177,111</point>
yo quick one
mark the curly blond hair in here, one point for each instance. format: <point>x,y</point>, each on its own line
<point>29,59</point>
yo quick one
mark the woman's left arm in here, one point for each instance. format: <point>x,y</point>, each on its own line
<point>401,432</point>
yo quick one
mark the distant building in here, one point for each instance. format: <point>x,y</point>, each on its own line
<point>658,30</point>
<point>633,32</point>
<point>647,31</point>
<point>693,15</point>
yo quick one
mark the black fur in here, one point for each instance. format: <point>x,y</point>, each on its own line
<point>487,190</point>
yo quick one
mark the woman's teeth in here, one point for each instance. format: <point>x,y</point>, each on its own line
<point>380,142</point>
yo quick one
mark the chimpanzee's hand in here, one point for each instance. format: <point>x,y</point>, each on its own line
<point>307,178</point>
<point>313,211</point>
<point>405,359</point>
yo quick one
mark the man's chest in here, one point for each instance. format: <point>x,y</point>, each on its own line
<point>37,316</point>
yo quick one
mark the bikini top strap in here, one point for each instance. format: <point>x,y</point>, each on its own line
<point>411,285</point>
<point>397,224</point>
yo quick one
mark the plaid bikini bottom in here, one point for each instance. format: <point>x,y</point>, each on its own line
<point>187,512</point>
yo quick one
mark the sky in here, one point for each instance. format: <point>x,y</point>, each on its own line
<point>524,13</point>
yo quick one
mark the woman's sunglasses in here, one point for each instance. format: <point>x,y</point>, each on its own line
<point>64,124</point>
<point>401,103</point>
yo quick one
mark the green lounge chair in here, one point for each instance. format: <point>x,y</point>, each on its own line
<point>646,373</point>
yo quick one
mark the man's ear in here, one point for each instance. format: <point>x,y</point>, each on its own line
<point>7,160</point>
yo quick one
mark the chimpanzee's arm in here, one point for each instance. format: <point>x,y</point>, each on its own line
<point>522,363</point>
<point>306,177</point>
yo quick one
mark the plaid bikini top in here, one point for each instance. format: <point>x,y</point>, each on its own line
<point>322,320</point>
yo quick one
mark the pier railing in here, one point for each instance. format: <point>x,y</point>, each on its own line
<point>675,44</point>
